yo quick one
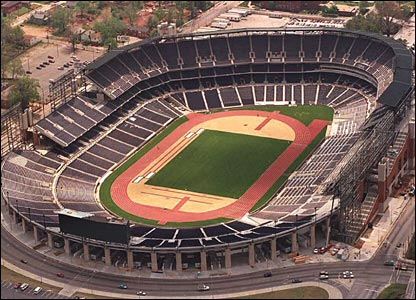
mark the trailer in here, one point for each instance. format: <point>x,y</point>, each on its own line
<point>231,17</point>
<point>219,25</point>
<point>241,11</point>
<point>221,20</point>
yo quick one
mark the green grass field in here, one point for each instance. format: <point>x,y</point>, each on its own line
<point>220,163</point>
<point>393,291</point>
<point>306,292</point>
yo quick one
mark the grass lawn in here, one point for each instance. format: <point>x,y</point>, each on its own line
<point>393,291</point>
<point>304,113</point>
<point>307,292</point>
<point>220,163</point>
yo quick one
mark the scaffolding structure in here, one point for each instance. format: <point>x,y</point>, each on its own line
<point>12,137</point>
<point>62,89</point>
<point>377,134</point>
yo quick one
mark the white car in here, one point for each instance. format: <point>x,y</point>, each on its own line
<point>24,286</point>
<point>203,287</point>
<point>347,274</point>
<point>323,277</point>
<point>315,251</point>
<point>37,290</point>
<point>141,293</point>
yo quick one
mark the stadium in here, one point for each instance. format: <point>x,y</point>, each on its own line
<point>207,150</point>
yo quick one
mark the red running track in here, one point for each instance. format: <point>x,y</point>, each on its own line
<point>304,136</point>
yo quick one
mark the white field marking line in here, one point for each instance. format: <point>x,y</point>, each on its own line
<point>148,176</point>
<point>138,179</point>
<point>200,130</point>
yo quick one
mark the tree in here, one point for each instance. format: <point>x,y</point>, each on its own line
<point>179,19</point>
<point>109,29</point>
<point>15,67</point>
<point>131,12</point>
<point>82,6</point>
<point>362,6</point>
<point>152,23</point>
<point>389,12</point>
<point>332,10</point>
<point>60,20</point>
<point>159,14</point>
<point>24,91</point>
<point>100,4</point>
<point>370,22</point>
<point>170,15</point>
<point>11,43</point>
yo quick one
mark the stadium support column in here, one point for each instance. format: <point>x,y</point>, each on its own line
<point>313,236</point>
<point>50,240</point>
<point>273,246</point>
<point>15,219</point>
<point>24,225</point>
<point>412,154</point>
<point>251,255</point>
<point>228,258</point>
<point>67,247</point>
<point>35,234</point>
<point>86,251</point>
<point>203,261</point>
<point>328,229</point>
<point>178,261</point>
<point>130,259</point>
<point>382,180</point>
<point>107,256</point>
<point>294,242</point>
<point>153,258</point>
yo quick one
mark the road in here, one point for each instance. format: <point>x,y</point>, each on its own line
<point>371,276</point>
<point>206,17</point>
<point>43,7</point>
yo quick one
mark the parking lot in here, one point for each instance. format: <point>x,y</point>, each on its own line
<point>56,55</point>
<point>9,292</point>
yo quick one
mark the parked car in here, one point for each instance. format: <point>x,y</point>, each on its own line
<point>315,251</point>
<point>51,61</point>
<point>334,251</point>
<point>267,274</point>
<point>17,285</point>
<point>39,68</point>
<point>28,72</point>
<point>322,250</point>
<point>50,57</point>
<point>24,286</point>
<point>122,286</point>
<point>203,287</point>
<point>60,68</point>
<point>46,63</point>
<point>37,290</point>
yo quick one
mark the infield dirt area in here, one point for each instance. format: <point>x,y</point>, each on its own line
<point>131,193</point>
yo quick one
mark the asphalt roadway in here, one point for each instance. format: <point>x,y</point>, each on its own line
<point>370,276</point>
